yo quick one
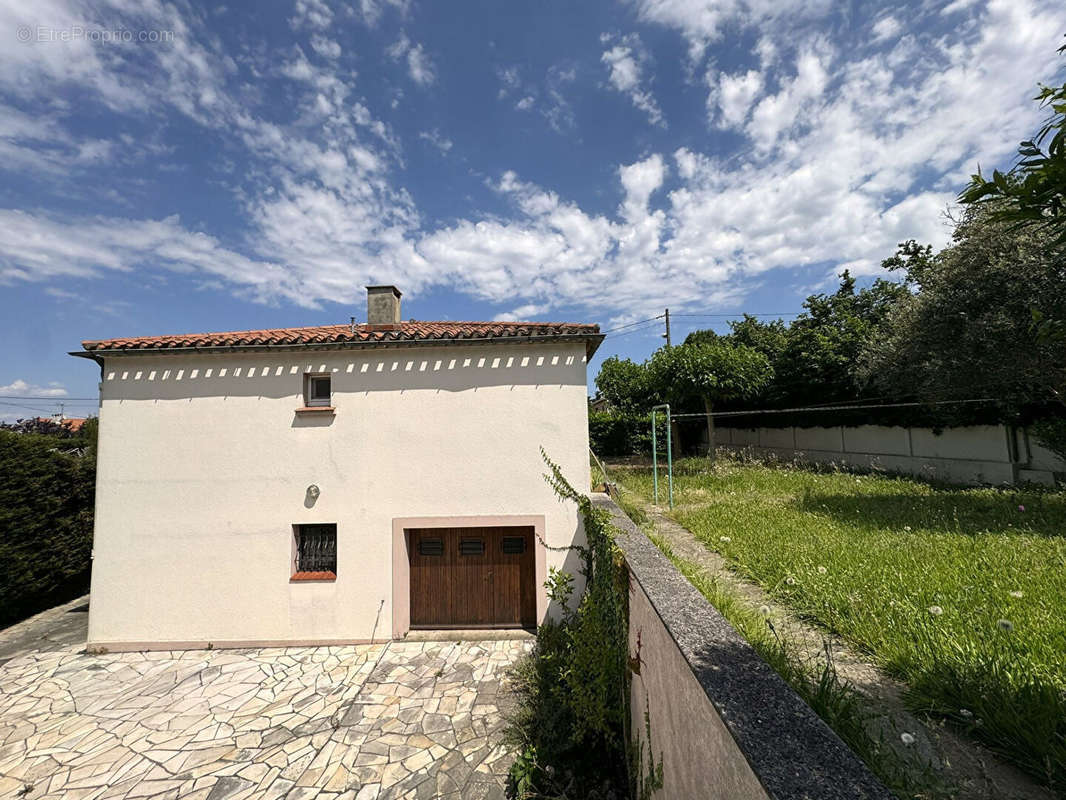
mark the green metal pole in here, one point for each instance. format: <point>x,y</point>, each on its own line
<point>654,459</point>
<point>669,455</point>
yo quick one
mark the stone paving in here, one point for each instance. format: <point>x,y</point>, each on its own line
<point>397,720</point>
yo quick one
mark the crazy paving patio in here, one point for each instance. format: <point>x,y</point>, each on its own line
<point>410,719</point>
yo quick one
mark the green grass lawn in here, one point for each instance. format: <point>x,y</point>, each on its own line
<point>961,593</point>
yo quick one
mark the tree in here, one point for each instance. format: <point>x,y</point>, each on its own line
<point>710,372</point>
<point>819,361</point>
<point>624,385</point>
<point>968,332</point>
<point>1033,192</point>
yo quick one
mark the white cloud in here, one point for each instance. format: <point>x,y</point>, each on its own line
<point>528,311</point>
<point>20,388</point>
<point>626,62</point>
<point>702,21</point>
<point>525,104</point>
<point>437,139</point>
<point>373,10</point>
<point>313,14</point>
<point>325,47</point>
<point>886,28</point>
<point>419,65</point>
<point>735,96</point>
<point>847,151</point>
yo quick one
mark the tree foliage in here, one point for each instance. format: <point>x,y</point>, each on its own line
<point>624,385</point>
<point>968,331</point>
<point>1033,193</point>
<point>712,372</point>
<point>46,516</point>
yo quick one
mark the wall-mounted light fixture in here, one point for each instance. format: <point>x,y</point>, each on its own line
<point>313,491</point>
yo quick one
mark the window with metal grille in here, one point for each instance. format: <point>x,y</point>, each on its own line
<point>317,390</point>
<point>471,547</point>
<point>513,545</point>
<point>316,548</point>
<point>431,547</point>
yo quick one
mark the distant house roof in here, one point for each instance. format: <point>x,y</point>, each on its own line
<point>399,334</point>
<point>72,424</point>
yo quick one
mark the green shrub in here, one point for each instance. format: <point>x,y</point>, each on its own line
<point>613,434</point>
<point>571,724</point>
<point>46,519</point>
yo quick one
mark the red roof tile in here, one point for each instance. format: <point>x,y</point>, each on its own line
<point>363,334</point>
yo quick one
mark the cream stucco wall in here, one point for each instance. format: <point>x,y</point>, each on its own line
<point>204,465</point>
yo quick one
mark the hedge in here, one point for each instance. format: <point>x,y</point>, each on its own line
<point>46,519</point>
<point>612,434</point>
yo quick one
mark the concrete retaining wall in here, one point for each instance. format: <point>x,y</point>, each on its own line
<point>723,724</point>
<point>973,455</point>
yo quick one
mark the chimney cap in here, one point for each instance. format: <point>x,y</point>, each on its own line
<point>385,287</point>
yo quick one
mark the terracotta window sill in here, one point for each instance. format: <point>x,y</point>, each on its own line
<point>313,576</point>
<point>316,410</point>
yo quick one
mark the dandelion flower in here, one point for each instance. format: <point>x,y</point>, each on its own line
<point>906,527</point>
<point>790,580</point>
<point>907,738</point>
<point>965,713</point>
<point>764,610</point>
<point>1005,625</point>
<point>1018,593</point>
<point>724,539</point>
<point>822,570</point>
<point>936,611</point>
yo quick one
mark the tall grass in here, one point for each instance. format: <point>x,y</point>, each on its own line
<point>832,699</point>
<point>961,593</point>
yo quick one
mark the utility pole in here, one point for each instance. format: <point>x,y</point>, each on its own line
<point>667,337</point>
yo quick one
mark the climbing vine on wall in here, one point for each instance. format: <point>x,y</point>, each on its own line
<point>572,723</point>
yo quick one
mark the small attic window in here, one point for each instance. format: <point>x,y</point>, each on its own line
<point>317,391</point>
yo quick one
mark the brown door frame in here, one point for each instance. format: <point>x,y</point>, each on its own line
<point>401,563</point>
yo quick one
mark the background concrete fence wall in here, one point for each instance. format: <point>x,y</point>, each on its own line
<point>723,724</point>
<point>972,455</point>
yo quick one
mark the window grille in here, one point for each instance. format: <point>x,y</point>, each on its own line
<point>316,548</point>
<point>471,547</point>
<point>431,547</point>
<point>513,545</point>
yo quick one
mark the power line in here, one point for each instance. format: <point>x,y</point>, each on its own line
<point>634,330</point>
<point>745,314</point>
<point>31,408</point>
<point>631,324</point>
<point>57,398</point>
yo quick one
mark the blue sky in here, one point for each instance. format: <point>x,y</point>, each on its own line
<point>172,167</point>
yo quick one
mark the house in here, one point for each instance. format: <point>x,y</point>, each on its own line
<point>334,484</point>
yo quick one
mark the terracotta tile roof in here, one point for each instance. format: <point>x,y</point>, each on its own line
<point>415,332</point>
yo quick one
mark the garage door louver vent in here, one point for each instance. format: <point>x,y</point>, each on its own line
<point>431,547</point>
<point>471,547</point>
<point>514,545</point>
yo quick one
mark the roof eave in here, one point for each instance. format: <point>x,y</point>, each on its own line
<point>592,343</point>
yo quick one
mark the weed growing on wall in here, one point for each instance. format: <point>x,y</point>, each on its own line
<point>571,725</point>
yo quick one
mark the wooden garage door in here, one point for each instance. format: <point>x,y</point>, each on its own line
<point>472,577</point>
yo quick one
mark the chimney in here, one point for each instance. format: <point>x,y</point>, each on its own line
<point>382,306</point>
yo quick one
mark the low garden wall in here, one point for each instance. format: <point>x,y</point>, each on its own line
<point>976,454</point>
<point>721,722</point>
